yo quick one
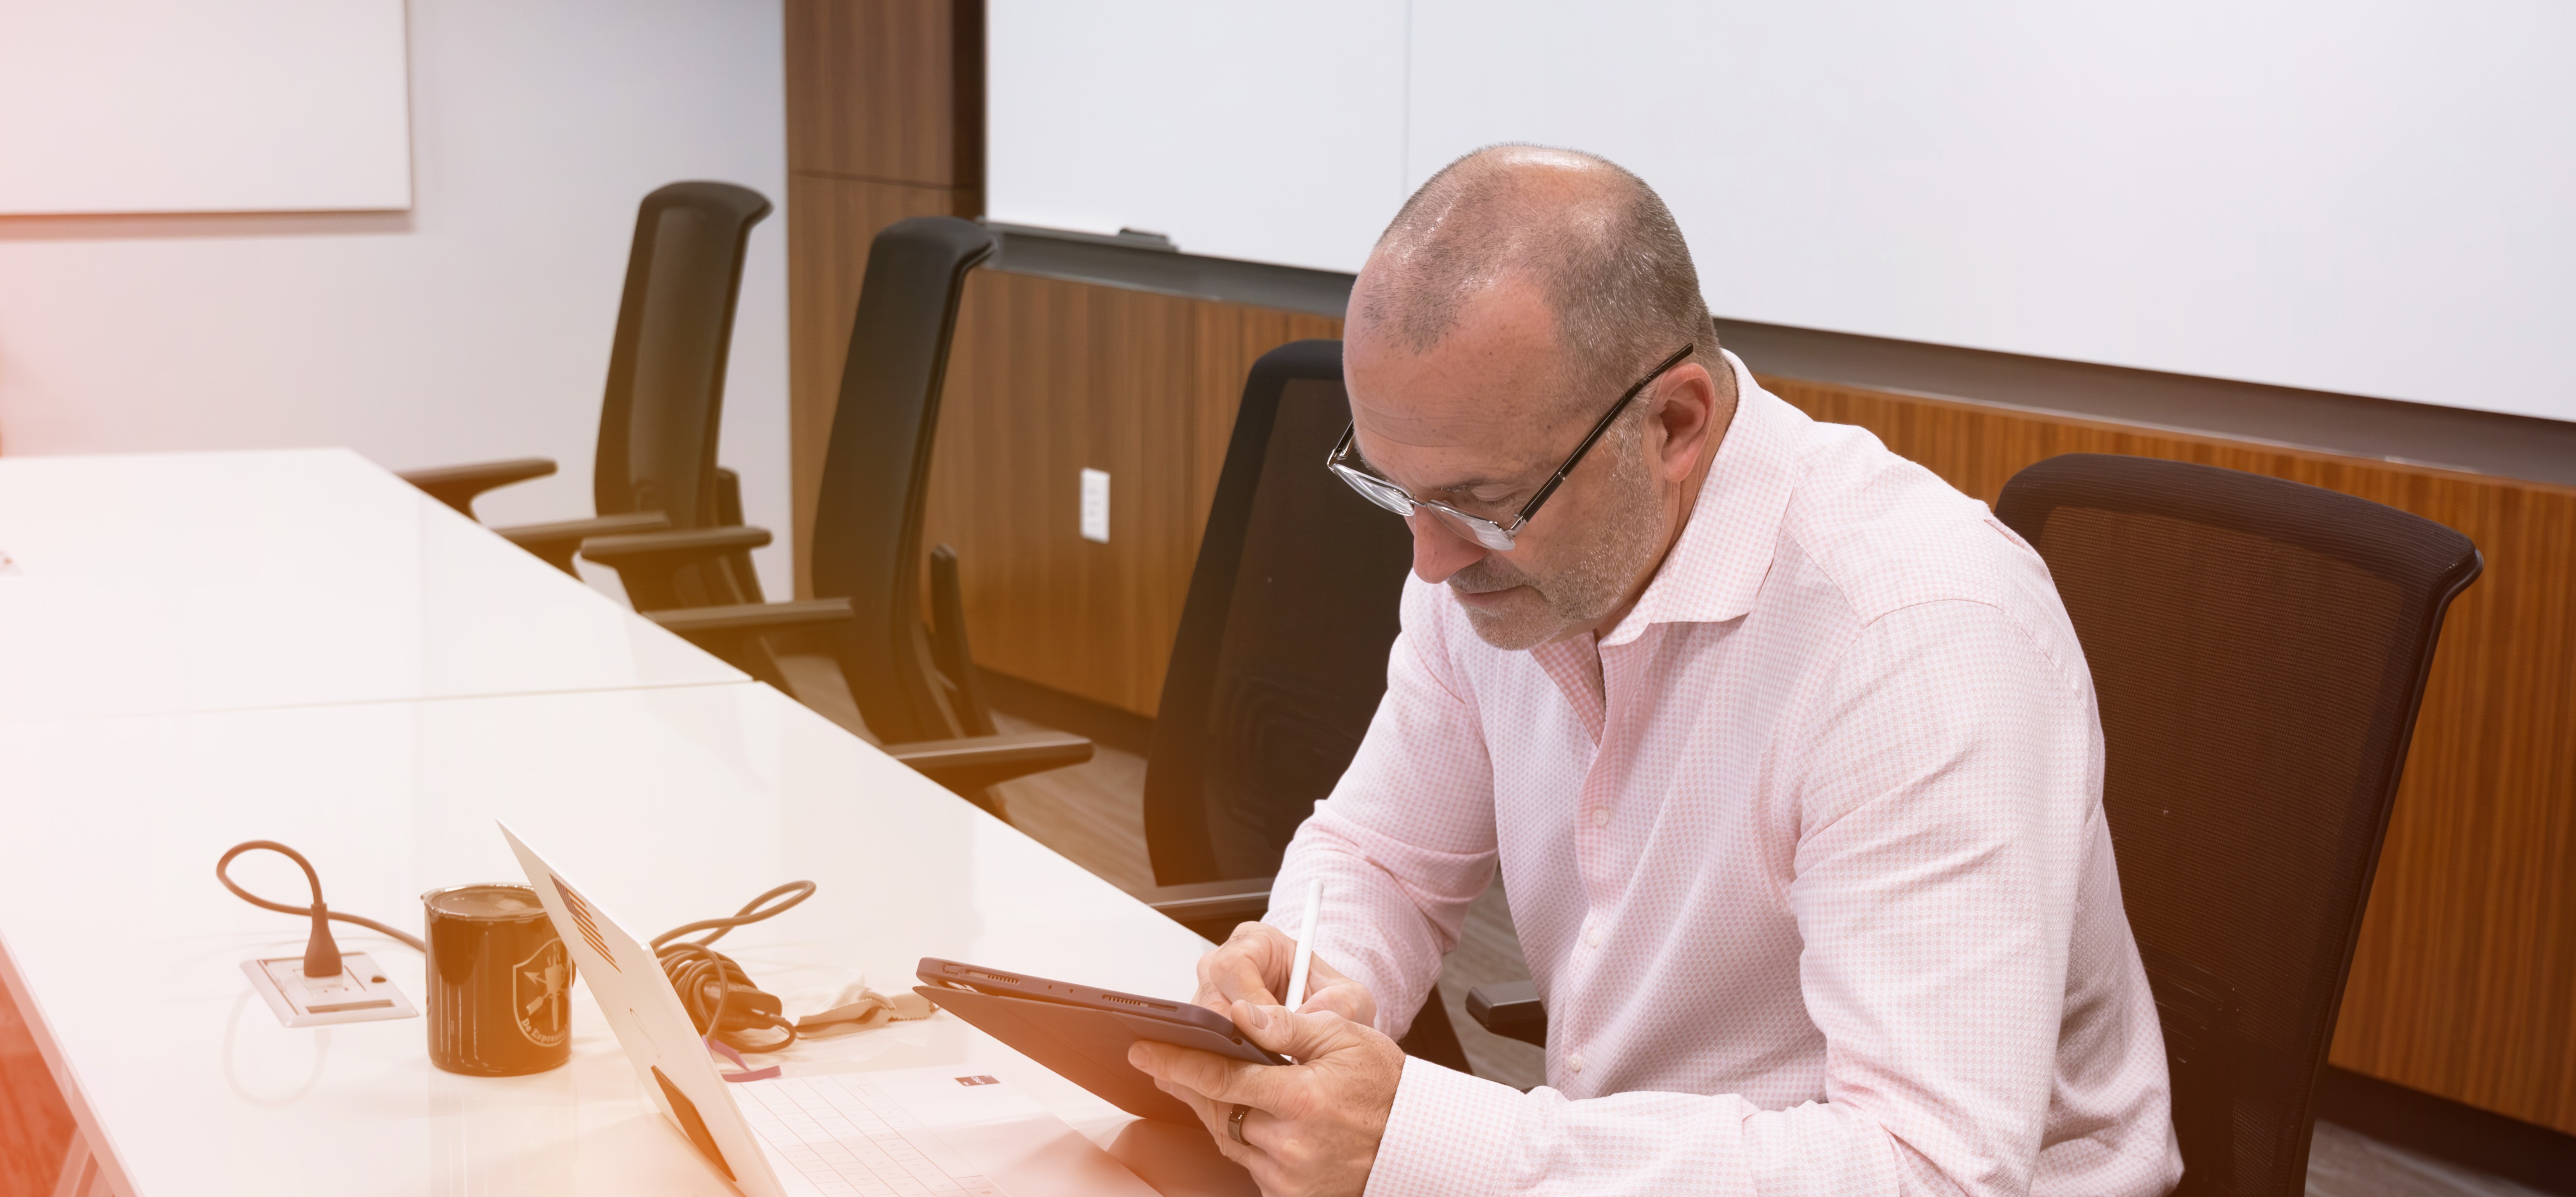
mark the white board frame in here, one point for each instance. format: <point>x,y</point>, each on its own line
<point>170,106</point>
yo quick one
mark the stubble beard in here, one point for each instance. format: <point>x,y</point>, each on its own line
<point>1579,593</point>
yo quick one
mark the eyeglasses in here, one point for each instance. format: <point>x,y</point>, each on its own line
<point>1344,463</point>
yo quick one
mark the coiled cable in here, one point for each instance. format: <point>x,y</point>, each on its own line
<point>706,979</point>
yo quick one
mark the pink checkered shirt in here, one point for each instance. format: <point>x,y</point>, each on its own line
<point>1807,856</point>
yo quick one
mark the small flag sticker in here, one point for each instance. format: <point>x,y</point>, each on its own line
<point>583,919</point>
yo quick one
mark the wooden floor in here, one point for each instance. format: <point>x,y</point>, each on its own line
<point>2348,1163</point>
<point>35,1127</point>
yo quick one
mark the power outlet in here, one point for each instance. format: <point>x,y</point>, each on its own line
<point>1095,506</point>
<point>361,993</point>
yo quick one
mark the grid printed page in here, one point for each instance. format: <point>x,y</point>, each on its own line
<point>852,1140</point>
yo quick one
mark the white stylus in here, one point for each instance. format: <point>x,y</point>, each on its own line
<point>1305,945</point>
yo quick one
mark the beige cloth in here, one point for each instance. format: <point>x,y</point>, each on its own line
<point>852,1006</point>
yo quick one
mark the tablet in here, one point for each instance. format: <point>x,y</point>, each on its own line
<point>1081,1033</point>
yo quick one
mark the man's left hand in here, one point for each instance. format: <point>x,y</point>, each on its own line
<point>1313,1127</point>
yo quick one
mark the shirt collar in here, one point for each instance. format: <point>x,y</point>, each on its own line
<point>1717,566</point>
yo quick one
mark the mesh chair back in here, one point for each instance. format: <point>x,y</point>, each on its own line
<point>2259,648</point>
<point>1281,657</point>
<point>666,368</point>
<point>876,471</point>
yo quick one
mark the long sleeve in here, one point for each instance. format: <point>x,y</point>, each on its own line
<point>1937,791</point>
<point>1406,841</point>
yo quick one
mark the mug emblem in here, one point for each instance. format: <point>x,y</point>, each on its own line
<point>541,994</point>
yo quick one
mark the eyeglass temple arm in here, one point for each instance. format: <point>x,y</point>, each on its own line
<point>1342,446</point>
<point>1598,428</point>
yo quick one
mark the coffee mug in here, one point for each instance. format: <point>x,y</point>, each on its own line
<point>500,982</point>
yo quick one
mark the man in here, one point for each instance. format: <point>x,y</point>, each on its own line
<point>1786,751</point>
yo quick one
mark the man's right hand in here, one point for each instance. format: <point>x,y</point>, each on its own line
<point>1253,965</point>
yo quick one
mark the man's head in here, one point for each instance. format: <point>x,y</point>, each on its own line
<point>1516,295</point>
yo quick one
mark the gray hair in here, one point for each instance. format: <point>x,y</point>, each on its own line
<point>1595,239</point>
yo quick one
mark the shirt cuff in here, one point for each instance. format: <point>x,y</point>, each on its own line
<point>1448,1132</point>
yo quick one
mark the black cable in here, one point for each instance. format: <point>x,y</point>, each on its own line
<point>706,979</point>
<point>318,911</point>
<point>743,917</point>
<point>693,968</point>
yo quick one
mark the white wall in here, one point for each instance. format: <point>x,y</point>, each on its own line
<point>475,326</point>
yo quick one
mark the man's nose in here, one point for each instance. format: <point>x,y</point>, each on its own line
<point>1438,550</point>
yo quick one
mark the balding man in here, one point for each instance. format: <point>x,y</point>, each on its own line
<point>1785,749</point>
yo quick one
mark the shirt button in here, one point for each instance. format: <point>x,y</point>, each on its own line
<point>1601,816</point>
<point>1574,1063</point>
<point>1592,938</point>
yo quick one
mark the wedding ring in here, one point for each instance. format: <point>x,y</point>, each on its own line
<point>1234,1122</point>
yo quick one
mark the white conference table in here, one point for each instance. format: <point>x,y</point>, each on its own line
<point>669,803</point>
<point>175,582</point>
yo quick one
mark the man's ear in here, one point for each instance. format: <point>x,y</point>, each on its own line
<point>1686,408</point>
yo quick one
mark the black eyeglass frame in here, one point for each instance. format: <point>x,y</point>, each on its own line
<point>1385,493</point>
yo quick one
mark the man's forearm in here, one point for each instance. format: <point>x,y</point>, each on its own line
<point>1389,930</point>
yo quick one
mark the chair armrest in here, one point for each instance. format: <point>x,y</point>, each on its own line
<point>650,562</point>
<point>660,550</point>
<point>699,625</point>
<point>973,763</point>
<point>733,632</point>
<point>456,486</point>
<point>557,542</point>
<point>1510,1009</point>
<point>1211,908</point>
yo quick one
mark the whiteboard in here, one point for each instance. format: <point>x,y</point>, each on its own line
<point>1268,130</point>
<point>124,106</point>
<point>2371,197</point>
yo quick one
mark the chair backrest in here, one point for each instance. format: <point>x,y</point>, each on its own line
<point>666,368</point>
<point>1281,656</point>
<point>876,471</point>
<point>2259,649</point>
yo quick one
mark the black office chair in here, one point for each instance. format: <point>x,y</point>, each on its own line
<point>656,464</point>
<point>1280,660</point>
<point>2259,649</point>
<point>882,675</point>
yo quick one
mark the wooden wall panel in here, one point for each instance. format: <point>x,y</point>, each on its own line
<point>884,122</point>
<point>872,91</point>
<point>1049,378</point>
<point>2465,983</point>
